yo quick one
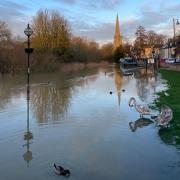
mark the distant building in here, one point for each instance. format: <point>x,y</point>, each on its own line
<point>171,50</point>
<point>148,51</point>
<point>117,35</point>
<point>167,50</point>
<point>177,50</point>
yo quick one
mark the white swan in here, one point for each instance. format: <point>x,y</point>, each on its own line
<point>165,116</point>
<point>142,109</point>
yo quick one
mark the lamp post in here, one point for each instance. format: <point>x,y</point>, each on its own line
<point>175,22</point>
<point>28,135</point>
<point>153,55</point>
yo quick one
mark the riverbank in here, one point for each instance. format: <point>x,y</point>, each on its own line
<point>171,97</point>
<point>57,67</point>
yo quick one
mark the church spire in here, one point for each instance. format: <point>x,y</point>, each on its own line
<point>117,35</point>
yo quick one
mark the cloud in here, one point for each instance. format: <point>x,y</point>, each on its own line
<point>67,1</point>
<point>173,8</point>
<point>103,4</point>
<point>104,31</point>
<point>158,19</point>
<point>94,4</point>
<point>14,15</point>
<point>93,18</point>
<point>10,9</point>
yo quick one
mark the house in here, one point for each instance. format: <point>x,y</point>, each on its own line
<point>151,51</point>
<point>167,50</point>
<point>147,51</point>
<point>177,49</point>
<point>178,52</point>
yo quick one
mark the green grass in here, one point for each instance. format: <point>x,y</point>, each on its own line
<point>171,135</point>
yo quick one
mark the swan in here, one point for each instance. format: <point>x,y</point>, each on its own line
<point>142,109</point>
<point>139,123</point>
<point>165,116</point>
<point>61,171</point>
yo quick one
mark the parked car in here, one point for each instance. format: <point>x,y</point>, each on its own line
<point>162,60</point>
<point>170,60</point>
<point>129,61</point>
<point>121,60</point>
<point>178,60</point>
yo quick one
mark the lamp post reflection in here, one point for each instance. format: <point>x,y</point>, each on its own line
<point>27,137</point>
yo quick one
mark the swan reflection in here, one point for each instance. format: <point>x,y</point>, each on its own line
<point>140,123</point>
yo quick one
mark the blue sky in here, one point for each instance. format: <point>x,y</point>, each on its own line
<point>95,19</point>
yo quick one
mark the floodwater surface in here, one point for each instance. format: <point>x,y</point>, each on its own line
<point>76,122</point>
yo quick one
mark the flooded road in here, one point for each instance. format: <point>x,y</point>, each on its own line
<point>76,122</point>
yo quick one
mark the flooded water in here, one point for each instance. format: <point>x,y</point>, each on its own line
<point>75,122</point>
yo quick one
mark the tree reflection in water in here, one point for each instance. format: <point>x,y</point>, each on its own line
<point>9,87</point>
<point>50,102</point>
<point>170,135</point>
<point>146,82</point>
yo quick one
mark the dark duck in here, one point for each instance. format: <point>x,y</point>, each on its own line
<point>61,171</point>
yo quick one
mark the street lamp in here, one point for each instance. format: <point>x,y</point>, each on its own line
<point>28,32</point>
<point>175,22</point>
<point>153,55</point>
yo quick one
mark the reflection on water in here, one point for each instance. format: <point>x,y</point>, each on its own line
<point>49,102</point>
<point>140,123</point>
<point>28,154</point>
<point>78,124</point>
<point>28,135</point>
<point>118,82</point>
<point>146,83</point>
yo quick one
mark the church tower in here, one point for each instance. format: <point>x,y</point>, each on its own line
<point>117,35</point>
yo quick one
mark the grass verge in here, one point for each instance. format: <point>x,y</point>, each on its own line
<point>171,135</point>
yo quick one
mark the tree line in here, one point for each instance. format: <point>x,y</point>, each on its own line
<point>54,43</point>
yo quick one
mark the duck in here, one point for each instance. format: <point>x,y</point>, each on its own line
<point>165,116</point>
<point>142,109</point>
<point>139,123</point>
<point>61,171</point>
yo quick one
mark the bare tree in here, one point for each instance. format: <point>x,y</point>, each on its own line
<point>154,38</point>
<point>141,37</point>
<point>107,51</point>
<point>5,33</point>
<point>51,31</point>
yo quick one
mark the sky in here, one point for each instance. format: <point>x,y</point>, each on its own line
<point>95,19</point>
